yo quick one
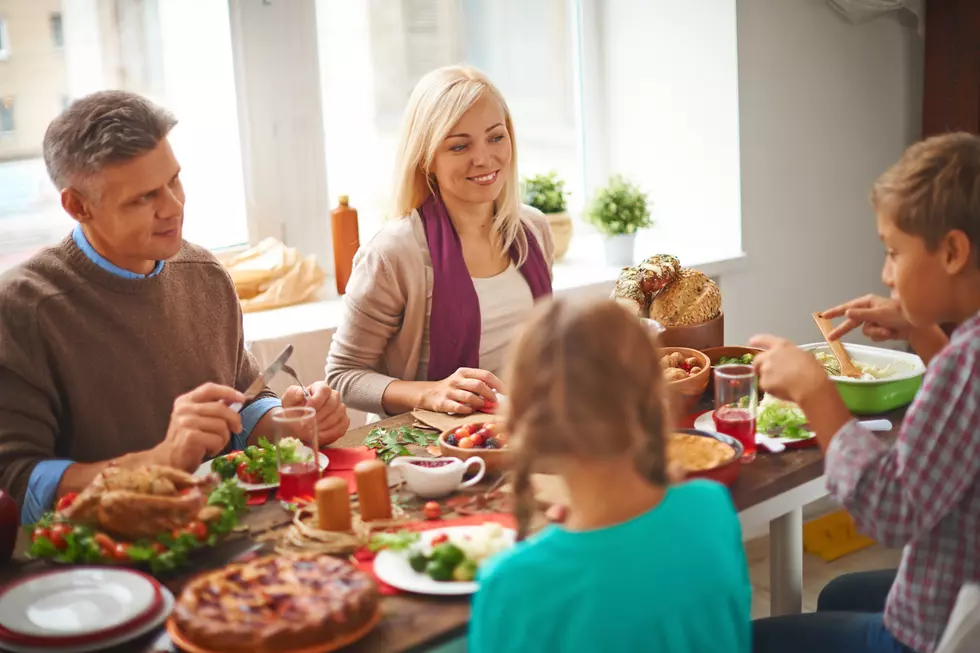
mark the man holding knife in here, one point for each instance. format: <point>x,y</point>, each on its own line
<point>123,344</point>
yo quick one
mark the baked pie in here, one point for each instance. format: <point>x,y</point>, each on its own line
<point>276,603</point>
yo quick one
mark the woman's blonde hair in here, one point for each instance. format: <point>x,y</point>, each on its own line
<point>584,380</point>
<point>437,103</point>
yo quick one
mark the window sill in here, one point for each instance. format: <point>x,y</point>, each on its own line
<point>579,273</point>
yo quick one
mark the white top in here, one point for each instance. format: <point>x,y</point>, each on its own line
<point>505,300</point>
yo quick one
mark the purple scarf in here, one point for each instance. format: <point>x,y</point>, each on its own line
<point>455,324</point>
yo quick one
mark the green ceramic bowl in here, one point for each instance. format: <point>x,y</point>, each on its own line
<point>876,396</point>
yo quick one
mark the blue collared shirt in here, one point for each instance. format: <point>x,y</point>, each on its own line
<point>43,483</point>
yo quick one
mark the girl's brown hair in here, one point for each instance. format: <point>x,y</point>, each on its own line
<point>585,380</point>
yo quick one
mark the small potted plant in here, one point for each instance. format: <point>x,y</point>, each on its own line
<point>547,194</point>
<point>618,211</point>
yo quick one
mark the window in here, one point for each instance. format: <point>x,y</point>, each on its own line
<point>4,40</point>
<point>177,53</point>
<point>57,34</point>
<point>6,115</point>
<point>373,53</point>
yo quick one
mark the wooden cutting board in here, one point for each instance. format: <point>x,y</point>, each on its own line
<point>443,422</point>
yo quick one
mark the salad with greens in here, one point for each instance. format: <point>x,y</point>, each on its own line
<point>257,463</point>
<point>782,419</point>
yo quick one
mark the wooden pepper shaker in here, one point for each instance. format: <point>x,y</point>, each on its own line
<point>332,504</point>
<point>346,241</point>
<point>372,490</point>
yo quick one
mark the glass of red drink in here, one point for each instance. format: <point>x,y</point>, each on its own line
<point>297,478</point>
<point>736,402</point>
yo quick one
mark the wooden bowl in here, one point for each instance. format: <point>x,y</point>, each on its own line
<point>715,354</point>
<point>697,336</point>
<point>496,460</point>
<point>725,473</point>
<point>688,392</point>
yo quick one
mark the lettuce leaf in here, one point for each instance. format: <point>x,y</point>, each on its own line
<point>782,418</point>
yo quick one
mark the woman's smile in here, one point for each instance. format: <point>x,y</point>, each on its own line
<point>485,180</point>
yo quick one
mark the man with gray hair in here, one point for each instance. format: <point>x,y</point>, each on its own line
<point>123,344</point>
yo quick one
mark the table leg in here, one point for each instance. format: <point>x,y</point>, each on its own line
<point>786,563</point>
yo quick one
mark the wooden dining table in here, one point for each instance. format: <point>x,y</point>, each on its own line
<point>771,491</point>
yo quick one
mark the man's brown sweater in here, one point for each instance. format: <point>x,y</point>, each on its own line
<point>91,362</point>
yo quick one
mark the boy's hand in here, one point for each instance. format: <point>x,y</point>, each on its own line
<point>786,371</point>
<point>880,319</point>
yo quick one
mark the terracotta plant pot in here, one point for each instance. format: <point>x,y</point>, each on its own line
<point>688,392</point>
<point>561,231</point>
<point>698,336</point>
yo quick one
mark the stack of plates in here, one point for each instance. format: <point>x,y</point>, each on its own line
<point>80,609</point>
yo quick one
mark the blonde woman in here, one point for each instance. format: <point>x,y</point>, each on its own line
<point>434,298</point>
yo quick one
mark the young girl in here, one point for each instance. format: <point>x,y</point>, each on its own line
<point>637,565</point>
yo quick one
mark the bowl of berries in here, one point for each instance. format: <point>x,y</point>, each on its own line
<point>487,441</point>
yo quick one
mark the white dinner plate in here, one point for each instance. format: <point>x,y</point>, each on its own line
<point>75,602</point>
<point>205,469</point>
<point>392,567</point>
<point>706,422</point>
<point>150,625</point>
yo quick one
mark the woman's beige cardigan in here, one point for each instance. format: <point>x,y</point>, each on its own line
<point>387,307</point>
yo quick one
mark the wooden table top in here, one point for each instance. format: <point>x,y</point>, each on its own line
<point>416,623</point>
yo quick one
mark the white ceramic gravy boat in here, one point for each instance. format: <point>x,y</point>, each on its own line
<point>431,478</point>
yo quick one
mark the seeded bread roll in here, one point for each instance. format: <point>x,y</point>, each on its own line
<point>657,272</point>
<point>629,292</point>
<point>690,299</point>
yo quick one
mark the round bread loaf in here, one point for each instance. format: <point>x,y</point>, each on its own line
<point>629,292</point>
<point>692,298</point>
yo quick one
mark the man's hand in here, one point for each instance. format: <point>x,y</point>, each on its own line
<point>331,415</point>
<point>200,426</point>
<point>786,371</point>
<point>880,319</point>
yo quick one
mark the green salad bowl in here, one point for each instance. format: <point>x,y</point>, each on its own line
<point>876,396</point>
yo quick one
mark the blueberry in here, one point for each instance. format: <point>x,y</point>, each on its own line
<point>491,443</point>
<point>451,440</point>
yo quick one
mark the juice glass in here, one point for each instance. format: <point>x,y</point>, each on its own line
<point>296,478</point>
<point>736,402</point>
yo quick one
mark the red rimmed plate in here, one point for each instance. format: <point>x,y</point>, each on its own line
<point>76,606</point>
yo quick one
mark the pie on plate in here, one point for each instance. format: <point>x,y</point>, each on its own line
<point>276,604</point>
<point>696,453</point>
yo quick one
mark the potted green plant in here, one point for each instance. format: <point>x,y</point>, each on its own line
<point>547,194</point>
<point>618,211</point>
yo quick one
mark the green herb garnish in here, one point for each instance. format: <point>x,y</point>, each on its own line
<point>391,443</point>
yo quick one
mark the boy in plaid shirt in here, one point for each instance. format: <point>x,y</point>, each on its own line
<point>921,492</point>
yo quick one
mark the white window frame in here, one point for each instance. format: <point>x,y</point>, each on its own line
<point>59,47</point>
<point>281,120</point>
<point>4,40</point>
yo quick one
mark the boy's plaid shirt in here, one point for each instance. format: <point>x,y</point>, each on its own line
<point>922,493</point>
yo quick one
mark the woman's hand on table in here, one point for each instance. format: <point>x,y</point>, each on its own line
<point>880,319</point>
<point>465,391</point>
<point>331,414</point>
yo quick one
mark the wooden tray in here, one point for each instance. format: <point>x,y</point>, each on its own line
<point>327,647</point>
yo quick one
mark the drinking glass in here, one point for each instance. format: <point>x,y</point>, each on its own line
<point>296,478</point>
<point>736,403</point>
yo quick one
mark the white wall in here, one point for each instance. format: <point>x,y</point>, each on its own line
<point>825,107</point>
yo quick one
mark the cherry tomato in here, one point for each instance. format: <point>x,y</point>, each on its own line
<point>66,501</point>
<point>247,476</point>
<point>159,547</point>
<point>121,552</point>
<point>465,443</point>
<point>57,536</point>
<point>439,539</point>
<point>363,555</point>
<point>198,530</point>
<point>40,532</point>
<point>479,438</point>
<point>432,510</point>
<point>464,431</point>
<point>491,427</point>
<point>107,545</point>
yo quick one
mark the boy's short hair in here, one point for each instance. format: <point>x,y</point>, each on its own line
<point>934,188</point>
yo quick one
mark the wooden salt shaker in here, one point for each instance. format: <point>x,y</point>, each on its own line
<point>332,505</point>
<point>372,490</point>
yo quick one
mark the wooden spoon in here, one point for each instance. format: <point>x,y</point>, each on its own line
<point>847,368</point>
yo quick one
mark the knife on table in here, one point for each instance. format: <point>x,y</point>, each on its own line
<point>264,378</point>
